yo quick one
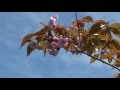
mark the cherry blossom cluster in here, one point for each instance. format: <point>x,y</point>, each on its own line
<point>54,43</point>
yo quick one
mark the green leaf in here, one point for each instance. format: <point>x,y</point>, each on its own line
<point>44,46</point>
<point>29,50</point>
<point>87,19</point>
<point>94,59</point>
<point>26,39</point>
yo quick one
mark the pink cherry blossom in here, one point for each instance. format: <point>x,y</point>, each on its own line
<point>56,39</point>
<point>66,41</point>
<point>52,21</point>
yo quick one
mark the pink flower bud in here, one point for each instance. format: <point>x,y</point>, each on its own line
<point>53,52</point>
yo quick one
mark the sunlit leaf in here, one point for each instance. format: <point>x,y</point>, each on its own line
<point>26,39</point>
<point>105,56</point>
<point>87,19</point>
<point>29,50</point>
<point>94,59</point>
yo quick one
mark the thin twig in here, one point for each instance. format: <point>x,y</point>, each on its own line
<point>96,58</point>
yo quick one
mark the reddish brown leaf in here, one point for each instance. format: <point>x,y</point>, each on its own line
<point>43,31</point>
<point>94,59</point>
<point>116,29</point>
<point>105,56</point>
<point>118,55</point>
<point>116,44</point>
<point>78,23</point>
<point>108,37</point>
<point>87,19</point>
<point>29,50</point>
<point>26,39</point>
<point>95,28</point>
<point>100,22</point>
<point>117,63</point>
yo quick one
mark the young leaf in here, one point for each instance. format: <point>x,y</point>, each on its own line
<point>115,44</point>
<point>94,59</point>
<point>87,19</point>
<point>29,50</point>
<point>100,22</point>
<point>44,46</point>
<point>118,55</point>
<point>105,56</point>
<point>117,63</point>
<point>26,39</point>
<point>60,30</point>
<point>95,28</point>
<point>91,50</point>
<point>110,59</point>
<point>108,37</point>
<point>73,32</point>
<point>43,31</point>
<point>116,29</point>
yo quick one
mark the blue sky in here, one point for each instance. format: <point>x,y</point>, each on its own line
<point>14,64</point>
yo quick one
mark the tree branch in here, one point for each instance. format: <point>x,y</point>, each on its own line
<point>97,58</point>
<point>91,55</point>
